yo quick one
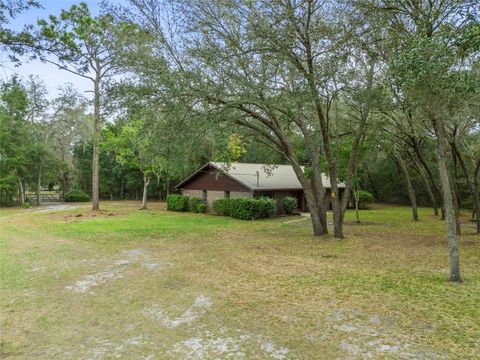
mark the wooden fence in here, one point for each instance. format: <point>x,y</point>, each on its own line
<point>50,197</point>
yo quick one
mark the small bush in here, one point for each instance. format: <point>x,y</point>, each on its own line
<point>242,208</point>
<point>266,207</point>
<point>222,206</point>
<point>289,204</point>
<point>364,198</point>
<point>196,205</point>
<point>176,202</point>
<point>201,208</point>
<point>76,195</point>
<point>26,205</point>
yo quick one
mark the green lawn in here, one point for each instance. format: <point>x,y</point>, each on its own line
<point>153,284</point>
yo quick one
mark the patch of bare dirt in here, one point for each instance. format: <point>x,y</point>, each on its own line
<point>215,345</point>
<point>53,207</point>
<point>88,215</point>
<point>221,343</point>
<point>368,337</point>
<point>115,271</point>
<point>199,307</point>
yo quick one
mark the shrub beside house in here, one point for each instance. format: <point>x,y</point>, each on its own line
<point>238,208</point>
<point>245,208</point>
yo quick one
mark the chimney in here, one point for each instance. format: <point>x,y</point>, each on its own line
<point>258,178</point>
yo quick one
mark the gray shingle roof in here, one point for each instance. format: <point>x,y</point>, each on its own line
<point>270,177</point>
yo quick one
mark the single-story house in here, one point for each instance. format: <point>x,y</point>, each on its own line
<point>216,180</point>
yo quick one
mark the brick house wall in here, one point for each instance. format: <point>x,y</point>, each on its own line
<point>190,192</point>
<point>213,195</point>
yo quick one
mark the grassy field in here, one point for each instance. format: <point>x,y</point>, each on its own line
<point>159,285</point>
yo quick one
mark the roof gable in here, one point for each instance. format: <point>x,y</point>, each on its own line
<point>259,176</point>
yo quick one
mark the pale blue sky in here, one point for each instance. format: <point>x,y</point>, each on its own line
<point>52,76</point>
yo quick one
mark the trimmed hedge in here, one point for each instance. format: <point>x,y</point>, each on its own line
<point>245,208</point>
<point>267,207</point>
<point>76,195</point>
<point>289,204</point>
<point>196,205</point>
<point>222,206</point>
<point>176,202</point>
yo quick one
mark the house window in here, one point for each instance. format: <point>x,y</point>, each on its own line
<point>226,194</point>
<point>204,195</point>
<point>269,194</point>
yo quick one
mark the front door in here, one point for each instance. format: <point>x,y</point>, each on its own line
<point>298,195</point>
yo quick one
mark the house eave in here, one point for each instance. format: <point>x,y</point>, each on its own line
<point>185,181</point>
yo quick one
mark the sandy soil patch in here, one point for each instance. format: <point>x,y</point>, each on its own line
<point>199,307</point>
<point>210,345</point>
<point>53,207</point>
<point>115,271</point>
<point>100,278</point>
<point>367,337</point>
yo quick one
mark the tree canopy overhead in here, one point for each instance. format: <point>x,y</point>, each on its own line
<point>380,95</point>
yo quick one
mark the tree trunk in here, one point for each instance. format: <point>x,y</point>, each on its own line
<point>316,216</point>
<point>318,194</point>
<point>337,216</point>
<point>434,186</point>
<point>96,145</point>
<point>63,186</point>
<point>314,195</point>
<point>167,187</point>
<point>318,219</point>
<point>472,184</point>
<point>67,181</point>
<point>356,197</point>
<point>429,191</point>
<point>447,200</point>
<point>456,193</point>
<point>456,206</point>
<point>476,213</point>
<point>332,164</point>
<point>146,181</point>
<point>21,193</point>
<point>408,182</point>
<point>39,185</point>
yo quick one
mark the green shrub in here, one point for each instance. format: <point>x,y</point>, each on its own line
<point>266,207</point>
<point>201,208</point>
<point>289,204</point>
<point>177,202</point>
<point>244,208</point>
<point>222,206</point>
<point>196,205</point>
<point>76,195</point>
<point>364,198</point>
